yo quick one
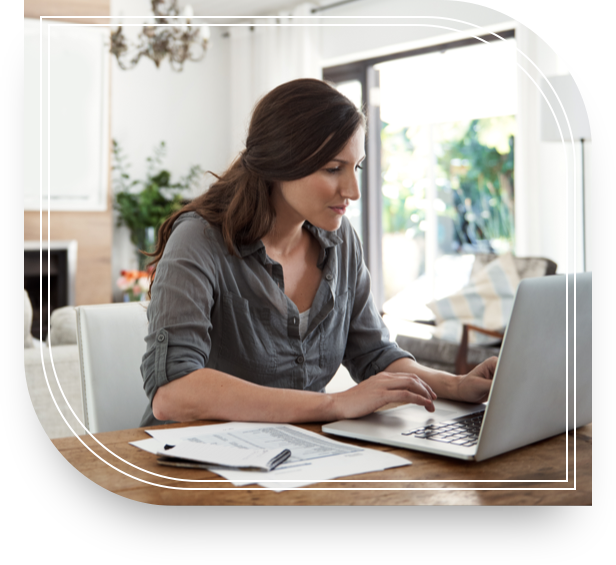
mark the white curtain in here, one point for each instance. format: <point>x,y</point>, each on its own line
<point>266,56</point>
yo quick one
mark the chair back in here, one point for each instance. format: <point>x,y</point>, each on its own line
<point>111,345</point>
<point>527,267</point>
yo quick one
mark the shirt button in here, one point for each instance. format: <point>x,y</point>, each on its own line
<point>329,277</point>
<point>161,337</point>
<point>294,321</point>
<point>299,360</point>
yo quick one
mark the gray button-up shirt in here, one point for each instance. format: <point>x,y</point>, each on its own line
<point>212,309</point>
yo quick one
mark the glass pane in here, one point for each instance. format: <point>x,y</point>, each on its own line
<point>447,169</point>
<point>352,90</point>
<point>471,165</point>
<point>475,186</point>
<point>405,166</point>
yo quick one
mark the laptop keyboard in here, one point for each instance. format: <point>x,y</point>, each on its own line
<point>463,431</point>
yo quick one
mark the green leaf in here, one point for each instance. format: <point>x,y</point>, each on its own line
<point>158,197</point>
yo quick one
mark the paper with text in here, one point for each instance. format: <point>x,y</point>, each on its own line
<point>314,458</point>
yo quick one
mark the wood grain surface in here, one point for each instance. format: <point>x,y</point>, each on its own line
<point>543,461</point>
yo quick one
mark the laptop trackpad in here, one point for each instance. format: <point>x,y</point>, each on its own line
<point>411,416</point>
<point>423,417</point>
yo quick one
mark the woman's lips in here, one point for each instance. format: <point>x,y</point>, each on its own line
<point>339,209</point>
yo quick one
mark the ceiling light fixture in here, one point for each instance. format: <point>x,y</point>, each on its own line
<point>179,41</point>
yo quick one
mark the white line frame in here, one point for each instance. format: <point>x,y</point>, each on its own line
<point>479,29</point>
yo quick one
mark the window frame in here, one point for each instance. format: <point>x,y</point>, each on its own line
<point>371,202</point>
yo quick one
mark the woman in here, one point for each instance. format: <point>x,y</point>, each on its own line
<point>260,290</point>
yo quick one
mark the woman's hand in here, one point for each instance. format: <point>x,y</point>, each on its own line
<point>381,389</point>
<point>475,385</point>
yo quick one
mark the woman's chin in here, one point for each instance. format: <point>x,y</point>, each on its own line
<point>329,224</point>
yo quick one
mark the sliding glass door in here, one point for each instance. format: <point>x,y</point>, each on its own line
<point>441,187</point>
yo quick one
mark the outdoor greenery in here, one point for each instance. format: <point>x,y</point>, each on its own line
<point>143,205</point>
<point>482,181</point>
<point>473,177</point>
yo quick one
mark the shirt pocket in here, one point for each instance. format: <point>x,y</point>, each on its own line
<point>246,346</point>
<point>334,333</point>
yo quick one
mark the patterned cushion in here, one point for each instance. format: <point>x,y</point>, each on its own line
<point>63,326</point>
<point>527,267</point>
<point>486,301</point>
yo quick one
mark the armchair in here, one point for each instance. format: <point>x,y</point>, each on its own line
<point>461,356</point>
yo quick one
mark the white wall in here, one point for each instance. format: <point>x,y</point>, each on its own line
<point>188,110</point>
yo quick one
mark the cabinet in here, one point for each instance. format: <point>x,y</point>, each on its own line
<point>66,154</point>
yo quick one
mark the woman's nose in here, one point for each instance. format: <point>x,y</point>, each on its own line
<point>351,187</point>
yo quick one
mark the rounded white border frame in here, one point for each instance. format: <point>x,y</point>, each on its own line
<point>569,188</point>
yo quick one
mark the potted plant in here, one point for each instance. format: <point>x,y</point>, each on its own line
<point>143,205</point>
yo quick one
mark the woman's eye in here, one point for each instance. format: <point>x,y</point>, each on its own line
<point>333,170</point>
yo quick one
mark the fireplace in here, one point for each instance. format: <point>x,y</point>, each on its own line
<point>59,261</point>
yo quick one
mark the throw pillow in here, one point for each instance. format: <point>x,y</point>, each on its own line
<point>486,301</point>
<point>63,326</point>
<point>527,267</point>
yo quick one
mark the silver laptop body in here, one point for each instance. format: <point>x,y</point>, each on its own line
<point>533,394</point>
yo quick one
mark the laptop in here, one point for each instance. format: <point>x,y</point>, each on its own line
<point>532,395</point>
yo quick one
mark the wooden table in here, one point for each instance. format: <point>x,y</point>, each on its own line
<point>542,461</point>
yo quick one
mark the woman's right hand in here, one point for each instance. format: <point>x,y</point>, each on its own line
<point>381,389</point>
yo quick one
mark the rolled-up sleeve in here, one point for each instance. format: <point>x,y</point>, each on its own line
<point>179,314</point>
<point>369,349</point>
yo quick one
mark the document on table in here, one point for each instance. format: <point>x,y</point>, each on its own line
<point>194,450</point>
<point>314,458</point>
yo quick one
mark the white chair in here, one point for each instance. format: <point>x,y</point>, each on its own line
<point>111,345</point>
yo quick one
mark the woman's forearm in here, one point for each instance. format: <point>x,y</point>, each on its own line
<point>444,384</point>
<point>207,394</point>
<point>472,387</point>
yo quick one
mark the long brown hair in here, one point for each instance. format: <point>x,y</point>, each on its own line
<point>295,130</point>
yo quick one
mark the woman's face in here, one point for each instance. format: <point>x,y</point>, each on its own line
<point>322,197</point>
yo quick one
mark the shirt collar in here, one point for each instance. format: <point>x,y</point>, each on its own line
<point>245,249</point>
<point>325,238</point>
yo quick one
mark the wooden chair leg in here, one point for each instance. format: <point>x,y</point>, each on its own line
<point>461,363</point>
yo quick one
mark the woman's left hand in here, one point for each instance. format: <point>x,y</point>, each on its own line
<point>475,385</point>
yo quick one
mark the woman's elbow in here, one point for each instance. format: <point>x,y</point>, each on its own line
<point>162,405</point>
<point>175,401</point>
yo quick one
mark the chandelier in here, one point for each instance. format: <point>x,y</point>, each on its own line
<point>179,41</point>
